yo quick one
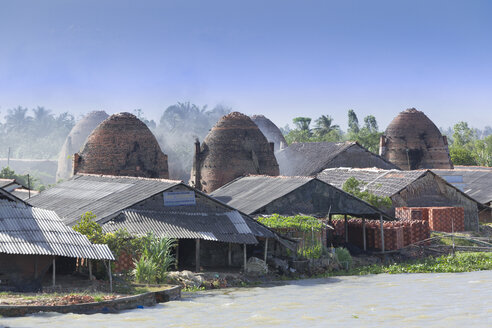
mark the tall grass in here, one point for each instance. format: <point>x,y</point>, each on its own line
<point>155,260</point>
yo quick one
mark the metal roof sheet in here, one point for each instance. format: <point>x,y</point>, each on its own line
<point>249,194</point>
<point>216,226</point>
<point>102,195</point>
<point>476,181</point>
<point>310,158</point>
<point>34,231</point>
<point>379,182</point>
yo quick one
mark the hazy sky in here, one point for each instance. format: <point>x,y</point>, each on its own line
<point>279,58</point>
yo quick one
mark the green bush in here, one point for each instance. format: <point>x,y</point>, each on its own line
<point>145,270</point>
<point>155,260</point>
<point>343,256</point>
<point>299,222</point>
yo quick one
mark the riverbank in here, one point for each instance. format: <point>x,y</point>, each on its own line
<point>459,262</point>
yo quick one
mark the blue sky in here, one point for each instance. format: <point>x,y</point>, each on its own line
<point>279,58</point>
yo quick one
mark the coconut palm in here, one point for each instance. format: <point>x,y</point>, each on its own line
<point>324,125</point>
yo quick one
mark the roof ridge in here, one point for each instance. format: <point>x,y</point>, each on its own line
<point>126,177</point>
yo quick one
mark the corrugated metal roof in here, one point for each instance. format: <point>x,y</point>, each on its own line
<point>248,194</point>
<point>33,231</point>
<point>216,226</point>
<point>310,158</point>
<point>476,182</point>
<point>379,182</point>
<point>102,195</point>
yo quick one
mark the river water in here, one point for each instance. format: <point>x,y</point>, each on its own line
<point>405,300</point>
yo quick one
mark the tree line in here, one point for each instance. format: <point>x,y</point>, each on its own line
<point>367,133</point>
<point>39,134</point>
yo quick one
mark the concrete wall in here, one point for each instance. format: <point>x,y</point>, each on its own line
<point>432,191</point>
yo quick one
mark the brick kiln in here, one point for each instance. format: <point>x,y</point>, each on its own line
<point>412,142</point>
<point>75,140</point>
<point>234,147</point>
<point>270,131</point>
<point>122,145</point>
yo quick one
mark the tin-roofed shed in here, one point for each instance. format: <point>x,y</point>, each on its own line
<point>261,194</point>
<point>418,188</point>
<point>475,181</point>
<point>30,239</point>
<point>167,208</point>
<point>310,158</point>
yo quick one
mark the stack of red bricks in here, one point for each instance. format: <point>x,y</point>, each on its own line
<point>447,219</point>
<point>124,262</point>
<point>397,234</point>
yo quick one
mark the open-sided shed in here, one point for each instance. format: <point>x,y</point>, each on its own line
<point>30,240</point>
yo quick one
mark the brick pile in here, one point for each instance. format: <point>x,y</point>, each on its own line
<point>447,219</point>
<point>444,219</point>
<point>397,234</point>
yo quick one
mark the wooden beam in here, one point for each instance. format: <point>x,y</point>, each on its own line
<point>364,234</point>
<point>266,249</point>
<point>90,269</point>
<point>197,255</point>
<point>54,272</point>
<point>244,256</point>
<point>382,231</point>
<point>346,227</point>
<point>229,255</point>
<point>110,277</point>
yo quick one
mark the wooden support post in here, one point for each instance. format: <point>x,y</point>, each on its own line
<point>346,227</point>
<point>90,269</point>
<point>364,234</point>
<point>266,249</point>
<point>197,256</point>
<point>229,255</point>
<point>110,277</point>
<point>244,256</point>
<point>329,232</point>
<point>176,260</point>
<point>382,231</point>
<point>54,272</point>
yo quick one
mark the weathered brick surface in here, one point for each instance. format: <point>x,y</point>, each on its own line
<point>447,219</point>
<point>412,141</point>
<point>234,147</point>
<point>122,145</point>
<point>397,234</point>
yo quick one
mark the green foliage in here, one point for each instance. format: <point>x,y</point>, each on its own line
<point>467,149</point>
<point>155,260</point>
<point>461,262</point>
<point>33,182</point>
<point>461,156</point>
<point>298,222</point>
<point>145,270</point>
<point>368,136</point>
<point>88,227</point>
<point>311,247</point>
<point>343,256</point>
<point>324,130</point>
<point>302,123</point>
<point>354,187</point>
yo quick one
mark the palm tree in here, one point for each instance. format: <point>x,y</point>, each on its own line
<point>324,125</point>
